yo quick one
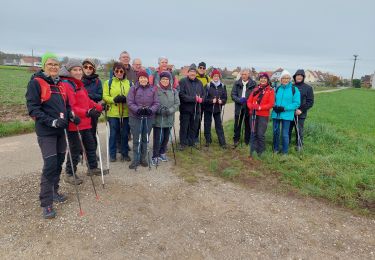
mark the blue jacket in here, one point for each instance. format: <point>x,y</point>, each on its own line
<point>284,97</point>
<point>94,87</point>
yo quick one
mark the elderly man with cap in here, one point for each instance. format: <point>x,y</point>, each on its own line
<point>191,99</point>
<point>163,66</point>
<point>47,104</point>
<point>287,100</point>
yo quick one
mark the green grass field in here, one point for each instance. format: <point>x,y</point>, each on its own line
<point>337,164</point>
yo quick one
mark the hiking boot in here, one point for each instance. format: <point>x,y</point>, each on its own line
<point>163,157</point>
<point>182,147</point>
<point>113,159</point>
<point>59,198</point>
<point>49,212</point>
<point>144,163</point>
<point>235,144</point>
<point>71,180</point>
<point>207,145</point>
<point>154,161</point>
<point>125,158</point>
<point>224,146</point>
<point>95,171</point>
<point>133,165</point>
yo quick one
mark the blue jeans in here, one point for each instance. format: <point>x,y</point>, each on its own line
<point>284,135</point>
<point>114,125</point>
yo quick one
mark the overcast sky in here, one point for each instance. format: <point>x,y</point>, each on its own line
<point>265,34</point>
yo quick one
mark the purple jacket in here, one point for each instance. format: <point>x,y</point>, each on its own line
<point>139,97</point>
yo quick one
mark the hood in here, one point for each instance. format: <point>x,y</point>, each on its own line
<point>40,74</point>
<point>299,72</point>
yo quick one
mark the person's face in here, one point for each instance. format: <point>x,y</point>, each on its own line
<point>215,78</point>
<point>201,70</point>
<point>285,80</point>
<point>192,74</point>
<point>143,80</point>
<point>263,80</point>
<point>124,58</point>
<point>245,75</point>
<point>119,73</point>
<point>163,64</point>
<point>164,81</point>
<point>88,69</point>
<point>52,67</point>
<point>137,65</point>
<point>76,73</point>
<point>299,78</point>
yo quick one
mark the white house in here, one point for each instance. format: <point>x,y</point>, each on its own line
<point>373,81</point>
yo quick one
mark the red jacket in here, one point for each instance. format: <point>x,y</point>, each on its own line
<point>80,103</point>
<point>266,103</point>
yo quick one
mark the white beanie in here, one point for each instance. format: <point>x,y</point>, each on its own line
<point>285,73</point>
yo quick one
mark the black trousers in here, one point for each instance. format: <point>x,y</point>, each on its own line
<point>301,124</point>
<point>76,149</point>
<point>160,147</point>
<point>218,127</point>
<point>53,151</point>
<point>238,120</point>
<point>94,127</point>
<point>188,127</point>
<point>258,143</point>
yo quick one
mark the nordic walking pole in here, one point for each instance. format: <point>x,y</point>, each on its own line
<point>200,126</point>
<point>139,144</point>
<point>241,127</point>
<point>71,165</point>
<point>100,157</point>
<point>160,138</point>
<point>107,137</point>
<point>174,153</point>
<point>87,162</point>
<point>253,119</point>
<point>175,137</point>
<point>148,151</point>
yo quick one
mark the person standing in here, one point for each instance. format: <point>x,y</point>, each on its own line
<point>287,100</point>
<point>191,98</point>
<point>260,103</point>
<point>240,93</point>
<point>154,78</point>
<point>129,71</point>
<point>307,102</point>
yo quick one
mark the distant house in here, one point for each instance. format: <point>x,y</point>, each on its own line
<point>11,62</point>
<point>366,80</point>
<point>29,61</point>
<point>373,80</point>
<point>276,74</point>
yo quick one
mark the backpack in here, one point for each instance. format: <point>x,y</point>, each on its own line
<point>293,89</point>
<point>46,92</point>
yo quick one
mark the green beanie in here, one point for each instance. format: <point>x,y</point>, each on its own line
<point>48,55</point>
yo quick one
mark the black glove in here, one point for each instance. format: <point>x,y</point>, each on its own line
<point>93,113</point>
<point>117,99</point>
<point>74,119</point>
<point>123,99</point>
<point>165,111</point>
<point>140,111</point>
<point>278,109</point>
<point>60,123</point>
<point>148,111</point>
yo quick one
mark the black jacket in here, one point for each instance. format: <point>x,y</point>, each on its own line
<point>94,87</point>
<point>306,92</point>
<point>215,92</point>
<point>44,113</point>
<point>188,90</point>
<point>237,92</point>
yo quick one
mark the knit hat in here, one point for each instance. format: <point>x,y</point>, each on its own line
<point>142,73</point>
<point>264,75</point>
<point>202,64</point>
<point>166,74</point>
<point>73,63</point>
<point>192,67</point>
<point>89,61</point>
<point>48,55</point>
<point>285,73</point>
<point>215,72</point>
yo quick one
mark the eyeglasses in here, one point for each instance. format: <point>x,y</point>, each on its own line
<point>119,71</point>
<point>52,65</point>
<point>88,67</point>
<point>202,68</point>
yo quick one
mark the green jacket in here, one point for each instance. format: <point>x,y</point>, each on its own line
<point>205,79</point>
<point>118,87</point>
<point>168,98</point>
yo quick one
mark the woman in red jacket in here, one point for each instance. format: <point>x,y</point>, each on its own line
<point>260,103</point>
<point>85,109</point>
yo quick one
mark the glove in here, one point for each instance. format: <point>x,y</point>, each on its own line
<point>278,109</point>
<point>74,119</point>
<point>140,111</point>
<point>196,99</point>
<point>165,111</point>
<point>117,99</point>
<point>93,113</point>
<point>243,100</point>
<point>200,100</point>
<point>148,111</point>
<point>123,99</point>
<point>60,123</point>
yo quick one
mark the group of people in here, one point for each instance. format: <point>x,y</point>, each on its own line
<point>66,102</point>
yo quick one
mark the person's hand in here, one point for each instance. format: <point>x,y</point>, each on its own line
<point>200,100</point>
<point>148,111</point>
<point>196,99</point>
<point>140,112</point>
<point>214,101</point>
<point>122,99</point>
<point>93,113</point>
<point>74,119</point>
<point>60,123</point>
<point>298,112</point>
<point>243,100</point>
<point>117,99</point>
<point>278,109</point>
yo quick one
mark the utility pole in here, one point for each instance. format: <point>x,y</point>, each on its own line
<point>355,60</point>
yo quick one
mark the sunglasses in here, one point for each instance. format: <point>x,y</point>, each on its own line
<point>119,71</point>
<point>203,68</point>
<point>88,67</point>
